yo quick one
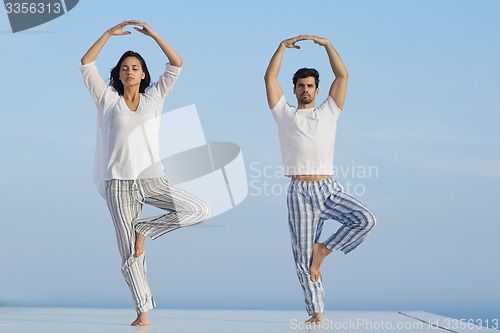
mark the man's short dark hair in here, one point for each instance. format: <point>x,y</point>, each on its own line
<point>306,72</point>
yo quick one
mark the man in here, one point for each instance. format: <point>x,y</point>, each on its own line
<point>307,137</point>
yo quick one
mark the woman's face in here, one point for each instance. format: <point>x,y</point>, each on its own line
<point>131,72</point>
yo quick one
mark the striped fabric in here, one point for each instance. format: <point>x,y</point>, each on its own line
<point>125,200</point>
<point>309,205</point>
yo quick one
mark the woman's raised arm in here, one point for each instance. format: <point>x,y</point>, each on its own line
<point>173,57</point>
<point>94,50</point>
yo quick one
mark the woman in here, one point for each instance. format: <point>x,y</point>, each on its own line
<point>128,169</point>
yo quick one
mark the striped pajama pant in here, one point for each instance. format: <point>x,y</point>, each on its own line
<point>309,205</point>
<point>125,199</point>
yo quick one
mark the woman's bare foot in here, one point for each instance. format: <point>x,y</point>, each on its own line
<point>139,244</point>
<point>316,318</point>
<point>142,320</point>
<point>320,251</point>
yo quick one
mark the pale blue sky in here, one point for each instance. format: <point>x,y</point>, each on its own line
<point>422,109</point>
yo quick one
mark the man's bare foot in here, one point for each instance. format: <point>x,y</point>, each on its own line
<point>139,244</point>
<point>320,251</point>
<point>316,318</point>
<point>142,320</point>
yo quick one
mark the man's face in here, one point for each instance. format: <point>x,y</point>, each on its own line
<point>305,90</point>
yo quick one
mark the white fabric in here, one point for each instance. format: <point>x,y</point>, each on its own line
<point>307,137</point>
<point>127,144</point>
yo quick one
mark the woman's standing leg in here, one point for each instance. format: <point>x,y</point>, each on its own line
<point>125,205</point>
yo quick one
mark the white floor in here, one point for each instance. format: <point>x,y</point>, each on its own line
<point>69,320</point>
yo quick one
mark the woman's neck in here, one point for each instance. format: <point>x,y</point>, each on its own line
<point>131,94</point>
<point>132,98</point>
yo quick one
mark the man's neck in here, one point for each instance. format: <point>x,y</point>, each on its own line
<point>305,106</point>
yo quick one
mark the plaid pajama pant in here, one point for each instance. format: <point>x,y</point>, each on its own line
<point>125,199</point>
<point>309,205</point>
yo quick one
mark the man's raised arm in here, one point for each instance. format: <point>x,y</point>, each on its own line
<point>273,87</point>
<point>338,88</point>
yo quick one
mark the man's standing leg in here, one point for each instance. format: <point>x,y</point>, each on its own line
<point>304,218</point>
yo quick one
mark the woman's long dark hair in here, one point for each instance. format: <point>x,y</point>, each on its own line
<point>114,78</point>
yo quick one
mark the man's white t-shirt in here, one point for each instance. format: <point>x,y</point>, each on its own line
<point>307,137</point>
<point>127,144</point>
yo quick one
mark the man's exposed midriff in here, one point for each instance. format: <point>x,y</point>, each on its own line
<point>311,178</point>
